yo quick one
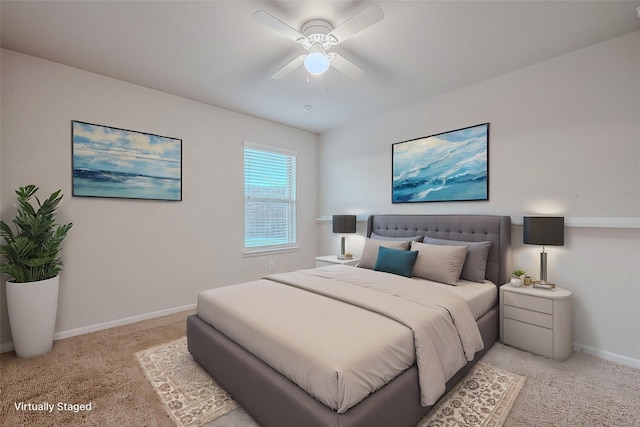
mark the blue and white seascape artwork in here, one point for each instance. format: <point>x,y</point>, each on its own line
<point>450,166</point>
<point>111,162</point>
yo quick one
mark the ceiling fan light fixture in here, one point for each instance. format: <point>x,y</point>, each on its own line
<point>317,37</point>
<point>316,63</point>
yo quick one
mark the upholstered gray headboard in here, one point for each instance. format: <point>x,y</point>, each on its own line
<point>468,228</point>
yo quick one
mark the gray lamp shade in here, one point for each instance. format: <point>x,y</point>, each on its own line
<point>544,230</point>
<point>344,223</point>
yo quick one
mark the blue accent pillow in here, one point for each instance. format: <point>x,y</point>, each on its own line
<point>395,261</point>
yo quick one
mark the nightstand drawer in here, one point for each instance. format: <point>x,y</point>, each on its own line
<point>543,305</point>
<point>529,337</point>
<point>528,316</point>
<point>537,320</point>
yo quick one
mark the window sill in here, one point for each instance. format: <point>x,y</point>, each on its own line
<point>269,251</point>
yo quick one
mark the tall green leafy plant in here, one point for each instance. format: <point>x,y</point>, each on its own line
<point>31,254</point>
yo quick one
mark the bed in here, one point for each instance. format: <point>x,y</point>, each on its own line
<point>273,399</point>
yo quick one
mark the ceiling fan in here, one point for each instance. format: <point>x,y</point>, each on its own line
<point>318,36</point>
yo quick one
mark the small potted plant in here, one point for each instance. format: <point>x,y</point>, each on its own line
<point>31,259</point>
<point>516,280</point>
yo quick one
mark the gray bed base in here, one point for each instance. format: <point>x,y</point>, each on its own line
<point>274,401</point>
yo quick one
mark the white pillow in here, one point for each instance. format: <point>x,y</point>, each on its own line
<point>370,250</point>
<point>439,263</point>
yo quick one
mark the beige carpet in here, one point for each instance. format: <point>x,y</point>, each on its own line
<point>101,368</point>
<point>582,391</point>
<point>482,398</point>
<point>98,368</point>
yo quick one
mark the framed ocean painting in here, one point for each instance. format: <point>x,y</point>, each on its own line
<point>120,163</point>
<point>446,167</point>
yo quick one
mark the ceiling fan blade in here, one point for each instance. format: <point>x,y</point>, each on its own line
<point>358,22</point>
<point>287,69</point>
<point>277,25</point>
<point>345,66</point>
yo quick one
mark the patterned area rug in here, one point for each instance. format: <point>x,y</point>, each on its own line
<point>190,396</point>
<point>483,397</point>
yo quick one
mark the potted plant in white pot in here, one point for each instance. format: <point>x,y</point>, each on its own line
<point>516,278</point>
<point>31,259</point>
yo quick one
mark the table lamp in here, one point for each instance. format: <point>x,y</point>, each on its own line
<point>545,231</point>
<point>344,224</point>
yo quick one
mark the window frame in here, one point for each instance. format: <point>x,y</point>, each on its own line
<point>281,247</point>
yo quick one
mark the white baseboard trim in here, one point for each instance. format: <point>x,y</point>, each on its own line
<point>7,346</point>
<point>106,325</point>
<point>607,355</point>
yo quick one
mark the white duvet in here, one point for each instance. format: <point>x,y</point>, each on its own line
<point>340,332</point>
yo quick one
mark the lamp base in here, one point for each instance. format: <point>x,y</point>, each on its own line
<point>544,285</point>
<point>543,266</point>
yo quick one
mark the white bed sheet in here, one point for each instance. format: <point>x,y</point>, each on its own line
<point>481,297</point>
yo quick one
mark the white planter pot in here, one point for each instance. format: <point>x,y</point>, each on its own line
<point>32,315</point>
<point>516,282</point>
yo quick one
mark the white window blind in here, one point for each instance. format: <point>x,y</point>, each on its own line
<point>269,197</point>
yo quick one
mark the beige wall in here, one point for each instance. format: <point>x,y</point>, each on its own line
<point>564,139</point>
<point>126,258</point>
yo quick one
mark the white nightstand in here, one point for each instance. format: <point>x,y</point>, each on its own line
<point>537,320</point>
<point>322,261</point>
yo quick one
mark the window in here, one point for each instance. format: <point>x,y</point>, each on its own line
<point>269,198</point>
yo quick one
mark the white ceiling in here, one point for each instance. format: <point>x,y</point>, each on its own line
<point>215,53</point>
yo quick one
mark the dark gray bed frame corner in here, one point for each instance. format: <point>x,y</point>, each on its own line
<point>274,401</point>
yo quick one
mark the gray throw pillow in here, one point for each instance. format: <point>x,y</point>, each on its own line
<point>375,236</point>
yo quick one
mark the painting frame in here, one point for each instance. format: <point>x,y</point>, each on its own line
<point>112,162</point>
<point>451,166</point>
